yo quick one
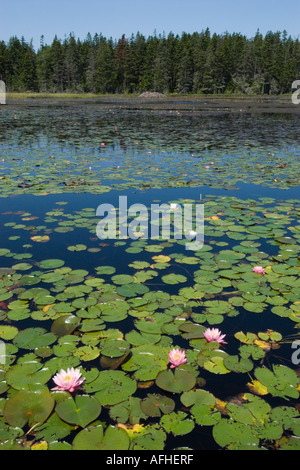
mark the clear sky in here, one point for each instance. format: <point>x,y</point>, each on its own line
<point>112,18</point>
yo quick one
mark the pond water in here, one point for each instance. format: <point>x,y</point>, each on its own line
<point>115,307</point>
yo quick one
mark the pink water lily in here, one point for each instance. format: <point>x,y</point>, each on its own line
<point>258,270</point>
<point>213,334</point>
<point>177,357</point>
<point>69,380</point>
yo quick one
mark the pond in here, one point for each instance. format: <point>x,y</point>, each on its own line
<point>112,307</point>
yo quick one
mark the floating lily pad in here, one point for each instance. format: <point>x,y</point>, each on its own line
<point>30,407</point>
<point>32,338</point>
<point>30,375</point>
<point>111,387</point>
<point>175,382</point>
<point>81,410</point>
<point>178,424</point>
<point>236,364</point>
<point>8,332</point>
<point>174,279</point>
<point>156,405</point>
<point>228,433</point>
<point>151,437</point>
<point>40,238</point>
<point>147,361</point>
<point>281,382</point>
<point>65,325</point>
<point>78,247</point>
<point>94,438</point>
<point>51,263</point>
<point>132,290</point>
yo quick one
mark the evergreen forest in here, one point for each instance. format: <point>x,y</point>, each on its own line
<point>198,63</point>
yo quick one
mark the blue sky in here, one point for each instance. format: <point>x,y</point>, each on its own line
<point>112,18</point>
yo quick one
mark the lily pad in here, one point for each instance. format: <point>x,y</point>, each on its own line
<point>31,375</point>
<point>156,405</point>
<point>175,382</point>
<point>80,411</point>
<point>94,438</point>
<point>228,433</point>
<point>51,263</point>
<point>65,325</point>
<point>236,364</point>
<point>32,338</point>
<point>30,407</point>
<point>281,382</point>
<point>111,387</point>
<point>178,423</point>
<point>174,279</point>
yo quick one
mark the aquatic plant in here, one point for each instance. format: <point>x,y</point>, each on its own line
<point>176,357</point>
<point>69,380</point>
<point>214,334</point>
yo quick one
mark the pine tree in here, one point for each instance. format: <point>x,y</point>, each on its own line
<point>106,67</point>
<point>57,80</point>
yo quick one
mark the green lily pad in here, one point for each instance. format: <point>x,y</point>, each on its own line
<point>228,433</point>
<point>22,266</point>
<point>51,263</point>
<point>94,438</point>
<point>111,387</point>
<point>132,290</point>
<point>174,279</point>
<point>65,325</point>
<point>216,365</point>
<point>236,364</point>
<point>30,375</point>
<point>129,410</point>
<point>53,429</point>
<point>122,279</point>
<point>30,407</point>
<point>178,423</point>
<point>175,382</point>
<point>80,411</point>
<point>281,382</point>
<point>32,338</point>
<point>152,437</point>
<point>146,361</point>
<point>78,247</point>
<point>105,270</point>
<point>8,332</point>
<point>87,353</point>
<point>114,347</point>
<point>156,405</point>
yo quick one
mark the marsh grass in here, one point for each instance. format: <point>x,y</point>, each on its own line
<point>224,97</point>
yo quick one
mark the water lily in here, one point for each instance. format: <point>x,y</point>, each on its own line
<point>69,380</point>
<point>176,357</point>
<point>214,334</point>
<point>258,270</point>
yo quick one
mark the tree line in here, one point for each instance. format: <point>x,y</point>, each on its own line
<point>200,62</point>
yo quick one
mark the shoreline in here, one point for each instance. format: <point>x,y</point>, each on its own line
<point>213,103</point>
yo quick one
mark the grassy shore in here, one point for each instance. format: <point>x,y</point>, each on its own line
<point>34,95</point>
